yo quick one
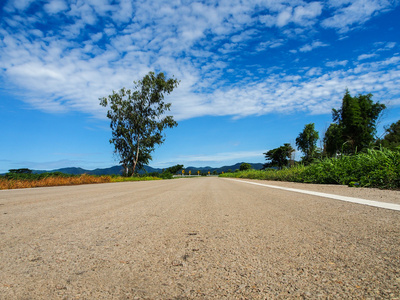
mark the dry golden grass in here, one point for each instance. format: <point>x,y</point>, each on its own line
<point>52,181</point>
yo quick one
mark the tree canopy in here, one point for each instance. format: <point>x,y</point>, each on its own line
<point>138,119</point>
<point>278,157</point>
<point>174,169</point>
<point>245,166</point>
<point>392,136</point>
<point>20,171</point>
<point>307,142</point>
<point>355,124</point>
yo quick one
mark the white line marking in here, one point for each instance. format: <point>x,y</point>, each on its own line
<point>386,205</point>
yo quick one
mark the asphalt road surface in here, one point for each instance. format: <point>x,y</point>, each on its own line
<point>198,238</point>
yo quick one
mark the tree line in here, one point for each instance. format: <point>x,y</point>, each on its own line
<point>353,130</point>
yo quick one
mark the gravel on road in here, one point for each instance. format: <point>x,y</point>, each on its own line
<point>197,238</point>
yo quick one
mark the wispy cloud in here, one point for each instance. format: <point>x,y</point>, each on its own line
<point>312,46</point>
<point>366,56</point>
<point>65,55</point>
<point>336,63</point>
<point>351,14</point>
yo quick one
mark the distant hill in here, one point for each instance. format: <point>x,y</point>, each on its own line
<point>255,166</point>
<point>117,170</point>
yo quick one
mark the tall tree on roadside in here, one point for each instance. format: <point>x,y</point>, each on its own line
<point>278,157</point>
<point>392,136</point>
<point>333,140</point>
<point>138,119</point>
<point>356,121</point>
<point>307,142</point>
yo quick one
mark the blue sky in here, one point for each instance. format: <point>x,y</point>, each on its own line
<point>252,73</point>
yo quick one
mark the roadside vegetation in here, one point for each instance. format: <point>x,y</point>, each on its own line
<point>351,153</point>
<point>24,178</point>
<point>28,180</point>
<point>373,168</point>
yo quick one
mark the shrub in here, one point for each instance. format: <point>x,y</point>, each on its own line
<point>373,168</point>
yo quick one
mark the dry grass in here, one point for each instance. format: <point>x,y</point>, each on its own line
<point>52,181</point>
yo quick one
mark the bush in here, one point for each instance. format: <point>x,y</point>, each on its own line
<point>373,168</point>
<point>165,175</point>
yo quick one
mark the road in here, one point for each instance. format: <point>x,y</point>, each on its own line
<point>196,238</point>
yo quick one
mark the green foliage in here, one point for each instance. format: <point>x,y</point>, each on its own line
<point>166,175</point>
<point>333,140</point>
<point>174,169</point>
<point>138,119</point>
<point>307,143</point>
<point>279,157</point>
<point>245,166</point>
<point>31,176</point>
<point>133,178</point>
<point>21,171</point>
<point>373,168</point>
<point>356,124</point>
<point>392,137</point>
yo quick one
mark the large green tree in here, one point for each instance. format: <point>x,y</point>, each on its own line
<point>392,136</point>
<point>356,121</point>
<point>307,142</point>
<point>278,157</point>
<point>138,119</point>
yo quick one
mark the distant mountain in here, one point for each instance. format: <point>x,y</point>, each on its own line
<point>117,170</point>
<point>255,166</point>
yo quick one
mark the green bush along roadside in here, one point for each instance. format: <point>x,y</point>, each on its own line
<point>372,168</point>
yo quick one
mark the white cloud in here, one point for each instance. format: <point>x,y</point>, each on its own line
<point>306,15</point>
<point>336,63</point>
<point>301,15</point>
<point>55,6</point>
<point>312,46</point>
<point>270,44</point>
<point>313,72</point>
<point>65,68</point>
<point>284,17</point>
<point>350,13</point>
<point>20,5</point>
<point>366,56</point>
<point>382,46</point>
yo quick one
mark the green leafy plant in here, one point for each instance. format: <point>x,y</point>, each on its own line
<point>372,168</point>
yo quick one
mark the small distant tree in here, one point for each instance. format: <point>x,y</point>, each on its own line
<point>215,172</point>
<point>138,119</point>
<point>20,171</point>
<point>278,157</point>
<point>174,169</point>
<point>245,166</point>
<point>307,143</point>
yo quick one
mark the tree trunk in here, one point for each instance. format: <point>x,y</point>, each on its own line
<point>126,170</point>
<point>136,159</point>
